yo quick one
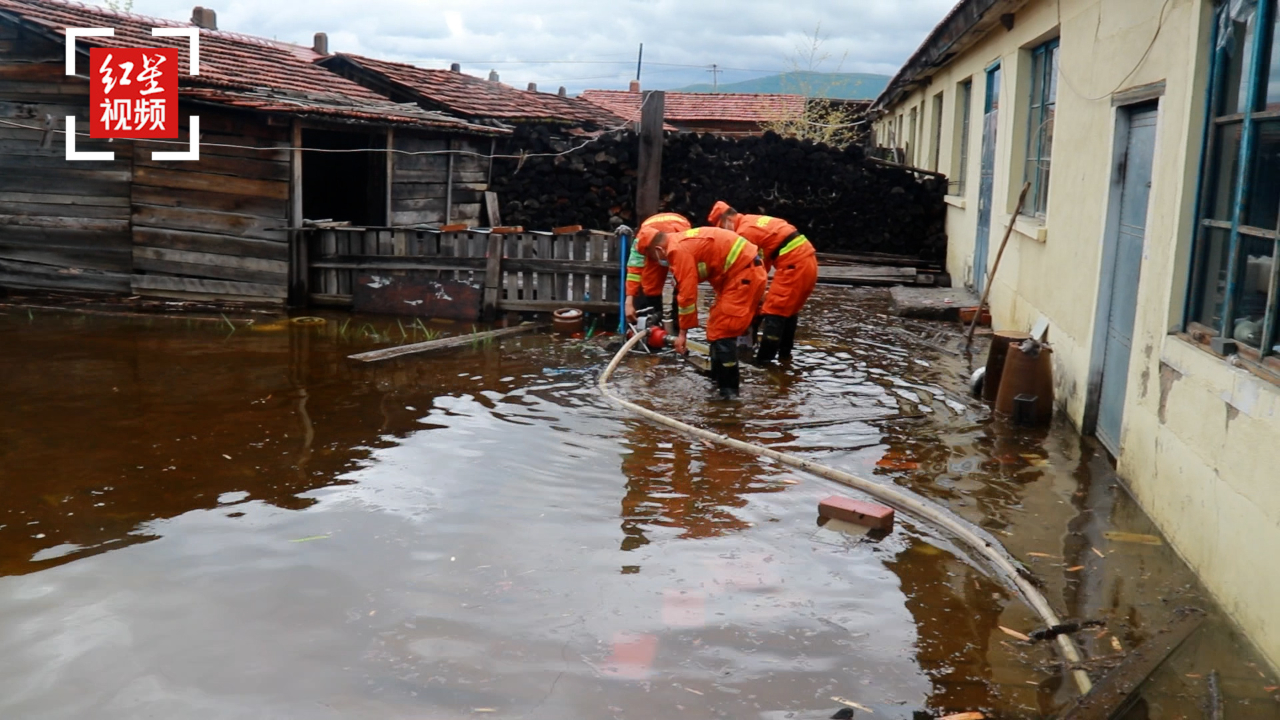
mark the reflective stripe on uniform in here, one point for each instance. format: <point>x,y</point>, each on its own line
<point>632,277</point>
<point>763,221</point>
<point>662,218</point>
<point>797,242</point>
<point>692,232</point>
<point>688,309</point>
<point>734,253</point>
<point>702,271</point>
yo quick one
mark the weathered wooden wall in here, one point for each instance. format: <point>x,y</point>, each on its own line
<point>213,227</point>
<point>420,186</point>
<point>63,226</point>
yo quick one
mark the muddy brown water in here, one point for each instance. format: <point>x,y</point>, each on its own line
<point>212,524</point>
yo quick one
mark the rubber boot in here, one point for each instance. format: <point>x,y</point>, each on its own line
<point>724,363</point>
<point>772,328</point>
<point>788,342</point>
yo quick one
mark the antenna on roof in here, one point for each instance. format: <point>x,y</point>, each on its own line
<point>715,77</point>
<point>639,61</point>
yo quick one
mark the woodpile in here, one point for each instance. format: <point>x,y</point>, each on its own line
<point>844,202</point>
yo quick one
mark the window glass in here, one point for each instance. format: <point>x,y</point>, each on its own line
<point>1252,283</point>
<point>1044,69</point>
<point>966,101</point>
<point>1235,35</point>
<point>1271,86</point>
<point>1227,154</point>
<point>1213,273</point>
<point>1264,183</point>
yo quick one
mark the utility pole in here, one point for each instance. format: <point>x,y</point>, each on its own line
<point>715,77</point>
<point>649,175</point>
<point>639,62</point>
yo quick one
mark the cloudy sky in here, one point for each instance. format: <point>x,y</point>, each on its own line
<point>591,43</point>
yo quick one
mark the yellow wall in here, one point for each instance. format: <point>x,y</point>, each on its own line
<point>1200,442</point>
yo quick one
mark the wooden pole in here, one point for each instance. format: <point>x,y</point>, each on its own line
<point>448,187</point>
<point>299,270</point>
<point>492,277</point>
<point>986,293</point>
<point>391,174</point>
<point>652,111</point>
<point>444,343</point>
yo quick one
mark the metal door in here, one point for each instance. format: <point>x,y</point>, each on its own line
<point>1126,260</point>
<point>986,180</point>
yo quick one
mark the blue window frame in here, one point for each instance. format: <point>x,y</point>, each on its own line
<point>1044,101</point>
<point>1233,291</point>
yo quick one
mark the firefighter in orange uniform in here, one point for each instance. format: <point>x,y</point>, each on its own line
<point>645,279</point>
<point>733,268</point>
<point>795,264</point>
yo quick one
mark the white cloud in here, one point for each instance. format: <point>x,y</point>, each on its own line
<point>586,43</point>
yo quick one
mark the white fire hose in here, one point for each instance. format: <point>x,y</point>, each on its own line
<point>899,498</point>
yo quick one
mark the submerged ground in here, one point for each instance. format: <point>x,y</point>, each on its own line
<point>213,524</point>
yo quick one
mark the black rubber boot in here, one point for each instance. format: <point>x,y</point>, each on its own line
<point>788,341</point>
<point>772,328</point>
<point>725,371</point>
<point>645,302</point>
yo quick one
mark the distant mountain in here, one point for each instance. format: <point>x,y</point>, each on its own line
<point>843,86</point>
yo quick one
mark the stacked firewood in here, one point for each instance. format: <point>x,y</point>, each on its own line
<point>842,201</point>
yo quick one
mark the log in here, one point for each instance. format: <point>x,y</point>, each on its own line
<point>444,343</point>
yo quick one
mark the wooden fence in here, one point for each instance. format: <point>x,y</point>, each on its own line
<point>525,271</point>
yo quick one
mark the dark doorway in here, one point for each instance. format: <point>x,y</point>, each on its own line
<point>349,186</point>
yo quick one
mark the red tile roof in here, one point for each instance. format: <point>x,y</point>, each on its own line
<point>235,69</point>
<point>474,97</point>
<point>690,107</point>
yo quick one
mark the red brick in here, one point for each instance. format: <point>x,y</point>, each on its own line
<point>839,507</point>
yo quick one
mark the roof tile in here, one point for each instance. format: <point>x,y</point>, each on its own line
<point>688,107</point>
<point>236,69</point>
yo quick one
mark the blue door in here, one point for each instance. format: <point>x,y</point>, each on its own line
<point>986,179</point>
<point>1125,257</point>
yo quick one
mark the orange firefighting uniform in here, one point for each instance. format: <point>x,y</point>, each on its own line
<point>791,256</point>
<point>733,268</point>
<point>648,277</point>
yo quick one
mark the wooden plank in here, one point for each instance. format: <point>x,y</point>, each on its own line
<point>104,212</point>
<point>527,252</point>
<point>101,258</point>
<point>329,246</point>
<point>579,282</point>
<point>511,249</point>
<point>230,262</point>
<point>239,167</point>
<point>274,208</point>
<point>1117,690</point>
<point>545,277</point>
<point>40,276</point>
<point>492,277</point>
<point>390,174</point>
<point>613,256</point>
<point>553,305</point>
<point>190,180</point>
<point>563,251</point>
<point>208,287</point>
<point>57,199</point>
<point>493,212</point>
<point>595,281</point>
<point>209,242</point>
<point>214,272</point>
<point>444,343</point>
<point>206,221</point>
<point>65,223</point>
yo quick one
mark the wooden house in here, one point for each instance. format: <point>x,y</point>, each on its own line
<point>282,140</point>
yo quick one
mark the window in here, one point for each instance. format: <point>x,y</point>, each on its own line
<point>911,139</point>
<point>960,150</point>
<point>936,119</point>
<point>1235,273</point>
<point>1044,95</point>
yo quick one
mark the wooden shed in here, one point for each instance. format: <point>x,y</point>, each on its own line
<point>283,140</point>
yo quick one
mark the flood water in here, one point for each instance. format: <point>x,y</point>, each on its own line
<point>199,523</point>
